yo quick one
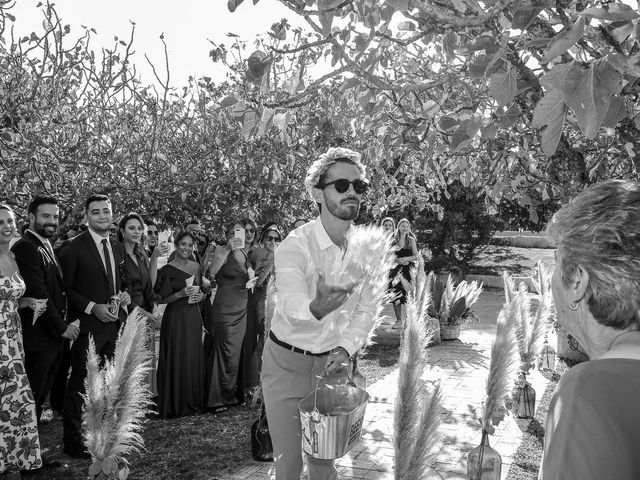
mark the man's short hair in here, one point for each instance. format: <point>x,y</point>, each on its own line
<point>193,221</point>
<point>315,174</point>
<point>96,197</point>
<point>150,223</point>
<point>41,200</point>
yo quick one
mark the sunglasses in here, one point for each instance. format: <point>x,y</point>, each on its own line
<point>152,233</point>
<point>342,185</point>
<point>273,238</point>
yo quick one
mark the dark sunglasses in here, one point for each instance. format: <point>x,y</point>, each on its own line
<point>342,185</point>
<point>274,238</point>
<point>152,232</point>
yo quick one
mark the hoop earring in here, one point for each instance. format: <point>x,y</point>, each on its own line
<point>573,306</point>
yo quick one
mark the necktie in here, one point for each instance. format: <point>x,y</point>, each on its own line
<point>50,252</point>
<point>107,262</point>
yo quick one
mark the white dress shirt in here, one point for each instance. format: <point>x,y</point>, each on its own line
<point>297,260</point>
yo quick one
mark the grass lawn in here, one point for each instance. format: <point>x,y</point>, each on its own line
<point>193,448</point>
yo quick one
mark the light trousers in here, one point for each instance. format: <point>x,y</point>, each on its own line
<point>288,377</point>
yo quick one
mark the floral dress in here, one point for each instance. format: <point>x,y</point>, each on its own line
<point>19,442</point>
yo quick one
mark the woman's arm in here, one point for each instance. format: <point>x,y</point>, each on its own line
<point>174,296</point>
<point>219,259</point>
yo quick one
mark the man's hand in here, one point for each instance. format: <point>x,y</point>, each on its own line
<point>103,313</point>
<point>329,297</point>
<point>125,299</point>
<point>337,361</point>
<point>71,332</point>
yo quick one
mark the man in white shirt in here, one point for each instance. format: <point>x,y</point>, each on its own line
<point>318,322</point>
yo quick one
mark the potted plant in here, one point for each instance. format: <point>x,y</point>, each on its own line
<point>451,304</point>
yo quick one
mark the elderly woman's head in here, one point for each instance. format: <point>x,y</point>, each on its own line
<point>597,235</point>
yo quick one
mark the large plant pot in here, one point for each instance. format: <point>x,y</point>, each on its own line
<point>449,332</point>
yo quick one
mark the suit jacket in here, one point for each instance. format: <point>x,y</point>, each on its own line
<point>85,279</point>
<point>43,278</point>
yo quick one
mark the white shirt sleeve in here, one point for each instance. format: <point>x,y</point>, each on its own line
<point>291,283</point>
<point>360,324</point>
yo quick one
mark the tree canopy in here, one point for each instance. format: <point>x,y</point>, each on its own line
<point>530,101</point>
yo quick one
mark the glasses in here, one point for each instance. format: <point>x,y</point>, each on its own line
<point>113,230</point>
<point>250,230</point>
<point>152,233</point>
<point>342,185</point>
<point>273,238</point>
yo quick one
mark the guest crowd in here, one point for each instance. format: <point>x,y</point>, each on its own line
<point>205,297</point>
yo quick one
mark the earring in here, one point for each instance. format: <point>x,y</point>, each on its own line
<point>573,306</point>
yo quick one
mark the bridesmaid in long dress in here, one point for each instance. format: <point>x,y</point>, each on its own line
<point>262,258</point>
<point>19,441</point>
<point>180,360</point>
<point>141,272</point>
<point>226,323</point>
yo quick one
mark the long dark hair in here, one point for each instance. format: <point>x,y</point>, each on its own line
<point>137,249</point>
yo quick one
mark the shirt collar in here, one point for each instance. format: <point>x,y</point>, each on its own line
<point>97,238</point>
<point>324,241</point>
<point>43,240</point>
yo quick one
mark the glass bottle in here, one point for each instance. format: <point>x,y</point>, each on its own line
<point>547,358</point>
<point>526,400</point>
<point>483,462</point>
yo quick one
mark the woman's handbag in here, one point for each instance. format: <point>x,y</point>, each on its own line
<point>261,446</point>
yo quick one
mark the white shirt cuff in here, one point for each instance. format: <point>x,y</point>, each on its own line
<point>89,308</point>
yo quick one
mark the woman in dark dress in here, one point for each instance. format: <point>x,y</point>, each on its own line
<point>405,256</point>
<point>226,323</point>
<point>180,361</point>
<point>140,272</point>
<point>262,257</point>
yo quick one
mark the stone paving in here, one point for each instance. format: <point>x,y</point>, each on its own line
<point>461,366</point>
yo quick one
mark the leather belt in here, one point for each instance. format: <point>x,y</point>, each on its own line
<point>291,348</point>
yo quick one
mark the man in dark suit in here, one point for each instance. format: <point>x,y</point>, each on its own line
<point>91,266</point>
<point>43,336</point>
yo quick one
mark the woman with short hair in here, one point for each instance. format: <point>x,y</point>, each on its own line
<point>593,427</point>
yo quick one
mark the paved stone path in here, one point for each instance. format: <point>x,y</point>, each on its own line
<point>462,368</point>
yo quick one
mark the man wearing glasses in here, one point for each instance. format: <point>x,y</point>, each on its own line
<point>311,333</point>
<point>152,237</point>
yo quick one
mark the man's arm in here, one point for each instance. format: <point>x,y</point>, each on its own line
<point>30,264</point>
<point>360,324</point>
<point>69,266</point>
<point>292,283</point>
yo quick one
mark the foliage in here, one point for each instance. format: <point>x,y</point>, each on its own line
<point>450,304</point>
<point>462,225</point>
<point>527,100</point>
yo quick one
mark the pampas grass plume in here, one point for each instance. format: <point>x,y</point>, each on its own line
<point>417,408</point>
<point>117,395</point>
<point>502,368</point>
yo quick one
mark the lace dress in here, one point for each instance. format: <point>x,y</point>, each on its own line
<point>19,442</point>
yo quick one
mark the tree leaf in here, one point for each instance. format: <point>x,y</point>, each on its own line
<point>524,16</point>
<point>554,78</point>
<point>465,133</point>
<point>550,114</point>
<point>613,12</point>
<point>326,11</point>
<point>233,4</point>
<point>398,5</point>
<point>588,92</point>
<point>407,26</point>
<point>228,101</point>
<point>503,86</point>
<point>623,32</point>
<point>564,41</point>
<point>449,43</point>
<point>617,111</point>
<point>459,5</point>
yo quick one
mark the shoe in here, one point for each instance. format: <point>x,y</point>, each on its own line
<point>77,453</point>
<point>46,416</point>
